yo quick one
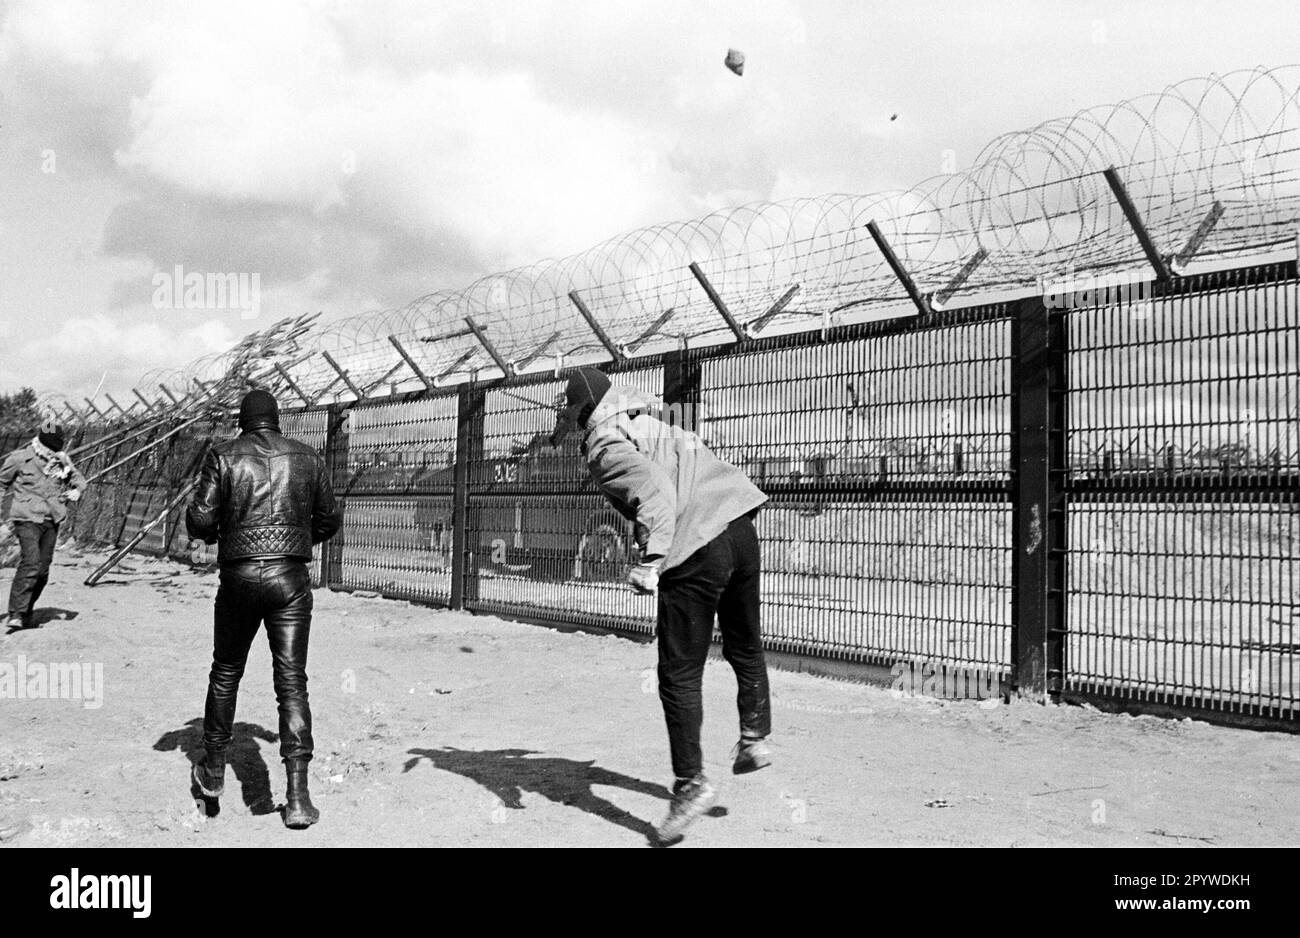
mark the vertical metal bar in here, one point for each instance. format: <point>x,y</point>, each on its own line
<point>1038,453</point>
<point>469,452</point>
<point>681,395</point>
<point>336,460</point>
<point>718,303</point>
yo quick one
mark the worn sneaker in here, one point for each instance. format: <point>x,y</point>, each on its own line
<point>14,623</point>
<point>750,755</point>
<point>691,798</point>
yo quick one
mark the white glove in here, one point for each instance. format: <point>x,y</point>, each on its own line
<point>73,495</point>
<point>644,578</point>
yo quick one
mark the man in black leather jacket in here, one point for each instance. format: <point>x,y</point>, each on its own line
<point>264,500</point>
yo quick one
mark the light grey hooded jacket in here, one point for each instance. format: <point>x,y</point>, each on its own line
<point>663,478</point>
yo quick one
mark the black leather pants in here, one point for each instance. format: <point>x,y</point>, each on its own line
<point>277,592</point>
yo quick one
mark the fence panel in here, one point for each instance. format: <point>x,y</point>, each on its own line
<point>886,457</point>
<point>541,543</point>
<point>1185,498</point>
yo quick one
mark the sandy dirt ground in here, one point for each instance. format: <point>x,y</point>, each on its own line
<point>444,729</point>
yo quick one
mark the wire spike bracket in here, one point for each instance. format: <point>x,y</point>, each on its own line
<point>455,367</point>
<point>149,406</point>
<point>481,334</point>
<point>342,374</point>
<point>900,272</point>
<point>410,363</point>
<point>595,327</point>
<point>517,366</point>
<point>387,375</point>
<point>718,303</point>
<point>755,326</point>
<point>124,413</point>
<point>940,299</point>
<point>1135,222</point>
<point>1198,237</point>
<point>651,332</point>
<point>293,385</point>
<point>443,336</point>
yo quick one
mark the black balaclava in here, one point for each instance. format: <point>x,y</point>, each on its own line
<point>258,410</point>
<point>51,435</point>
<point>586,388</point>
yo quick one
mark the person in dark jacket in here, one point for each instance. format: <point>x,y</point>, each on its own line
<point>693,520</point>
<point>42,480</point>
<point>264,500</point>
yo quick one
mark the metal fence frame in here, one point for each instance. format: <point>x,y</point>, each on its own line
<point>1040,488</point>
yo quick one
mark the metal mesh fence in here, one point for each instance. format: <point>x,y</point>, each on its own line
<point>908,464</point>
<point>1183,475</point>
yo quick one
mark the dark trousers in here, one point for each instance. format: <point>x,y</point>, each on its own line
<point>36,542</point>
<point>277,592</point>
<point>720,578</point>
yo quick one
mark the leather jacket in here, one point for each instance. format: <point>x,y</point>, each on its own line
<point>262,495</point>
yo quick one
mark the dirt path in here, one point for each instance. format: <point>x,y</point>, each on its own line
<point>437,728</point>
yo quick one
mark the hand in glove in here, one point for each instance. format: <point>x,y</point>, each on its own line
<point>644,578</point>
<point>72,495</point>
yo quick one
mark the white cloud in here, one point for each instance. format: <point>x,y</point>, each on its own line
<point>260,102</point>
<point>83,348</point>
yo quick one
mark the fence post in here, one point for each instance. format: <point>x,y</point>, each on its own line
<point>336,460</point>
<point>1039,349</point>
<point>682,389</point>
<point>469,454</point>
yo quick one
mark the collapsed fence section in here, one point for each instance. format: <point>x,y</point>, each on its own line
<point>1089,497</point>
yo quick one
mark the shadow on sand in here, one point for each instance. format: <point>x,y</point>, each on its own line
<point>508,773</point>
<point>244,759</point>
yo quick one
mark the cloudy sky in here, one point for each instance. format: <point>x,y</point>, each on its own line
<point>357,155</point>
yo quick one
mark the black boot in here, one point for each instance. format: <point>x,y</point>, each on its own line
<point>299,812</point>
<point>210,774</point>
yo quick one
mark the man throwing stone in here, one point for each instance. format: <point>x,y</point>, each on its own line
<point>693,517</point>
<point>264,500</point>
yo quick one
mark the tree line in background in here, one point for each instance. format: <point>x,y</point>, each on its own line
<point>18,412</point>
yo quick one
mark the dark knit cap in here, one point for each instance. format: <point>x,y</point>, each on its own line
<point>259,409</point>
<point>586,388</point>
